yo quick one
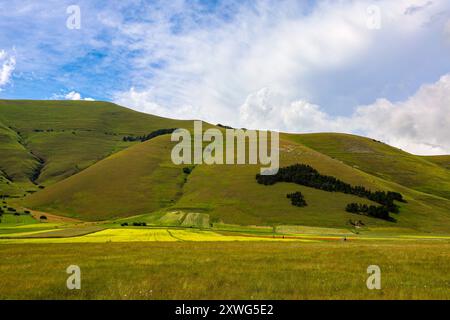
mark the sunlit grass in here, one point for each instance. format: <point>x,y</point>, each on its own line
<point>226,270</point>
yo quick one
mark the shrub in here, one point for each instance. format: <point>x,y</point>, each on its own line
<point>187,170</point>
<point>42,217</point>
<point>139,224</point>
<point>297,199</point>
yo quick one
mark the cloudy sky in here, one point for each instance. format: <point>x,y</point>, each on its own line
<point>375,68</point>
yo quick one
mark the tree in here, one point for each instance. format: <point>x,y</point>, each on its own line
<point>187,170</point>
<point>297,199</point>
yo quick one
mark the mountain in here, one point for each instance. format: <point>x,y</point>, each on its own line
<point>76,150</point>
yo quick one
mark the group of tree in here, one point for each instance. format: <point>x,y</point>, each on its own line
<point>297,199</point>
<point>134,224</point>
<point>149,136</point>
<point>380,212</point>
<point>308,176</point>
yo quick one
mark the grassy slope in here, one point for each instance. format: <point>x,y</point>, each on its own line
<point>16,162</point>
<point>381,160</point>
<point>75,135</point>
<point>443,161</point>
<point>139,179</point>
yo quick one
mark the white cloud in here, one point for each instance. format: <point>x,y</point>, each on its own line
<point>8,64</point>
<point>143,101</point>
<point>266,109</point>
<point>72,95</point>
<point>284,49</point>
<point>419,124</point>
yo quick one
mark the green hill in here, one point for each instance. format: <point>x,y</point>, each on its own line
<point>92,174</point>
<point>443,161</point>
<point>43,142</point>
<point>381,160</point>
<point>137,180</point>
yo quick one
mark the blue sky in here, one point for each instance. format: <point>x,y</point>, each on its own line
<point>376,68</point>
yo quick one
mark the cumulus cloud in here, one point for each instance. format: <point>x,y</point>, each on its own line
<point>143,101</point>
<point>215,63</point>
<point>419,124</point>
<point>8,64</point>
<point>266,109</point>
<point>72,95</point>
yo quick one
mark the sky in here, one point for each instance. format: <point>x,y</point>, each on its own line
<point>374,68</point>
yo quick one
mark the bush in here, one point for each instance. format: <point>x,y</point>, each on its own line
<point>124,224</point>
<point>42,217</point>
<point>140,224</point>
<point>297,199</point>
<point>187,170</point>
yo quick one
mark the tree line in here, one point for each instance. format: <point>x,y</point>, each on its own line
<point>308,176</point>
<point>149,136</point>
<point>380,212</point>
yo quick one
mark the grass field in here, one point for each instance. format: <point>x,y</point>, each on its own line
<point>226,270</point>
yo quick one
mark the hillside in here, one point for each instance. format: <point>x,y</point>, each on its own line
<point>43,142</point>
<point>90,173</point>
<point>423,174</point>
<point>443,161</point>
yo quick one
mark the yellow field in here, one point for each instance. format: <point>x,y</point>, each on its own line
<point>142,235</point>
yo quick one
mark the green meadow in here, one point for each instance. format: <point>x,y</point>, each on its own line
<point>226,270</point>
